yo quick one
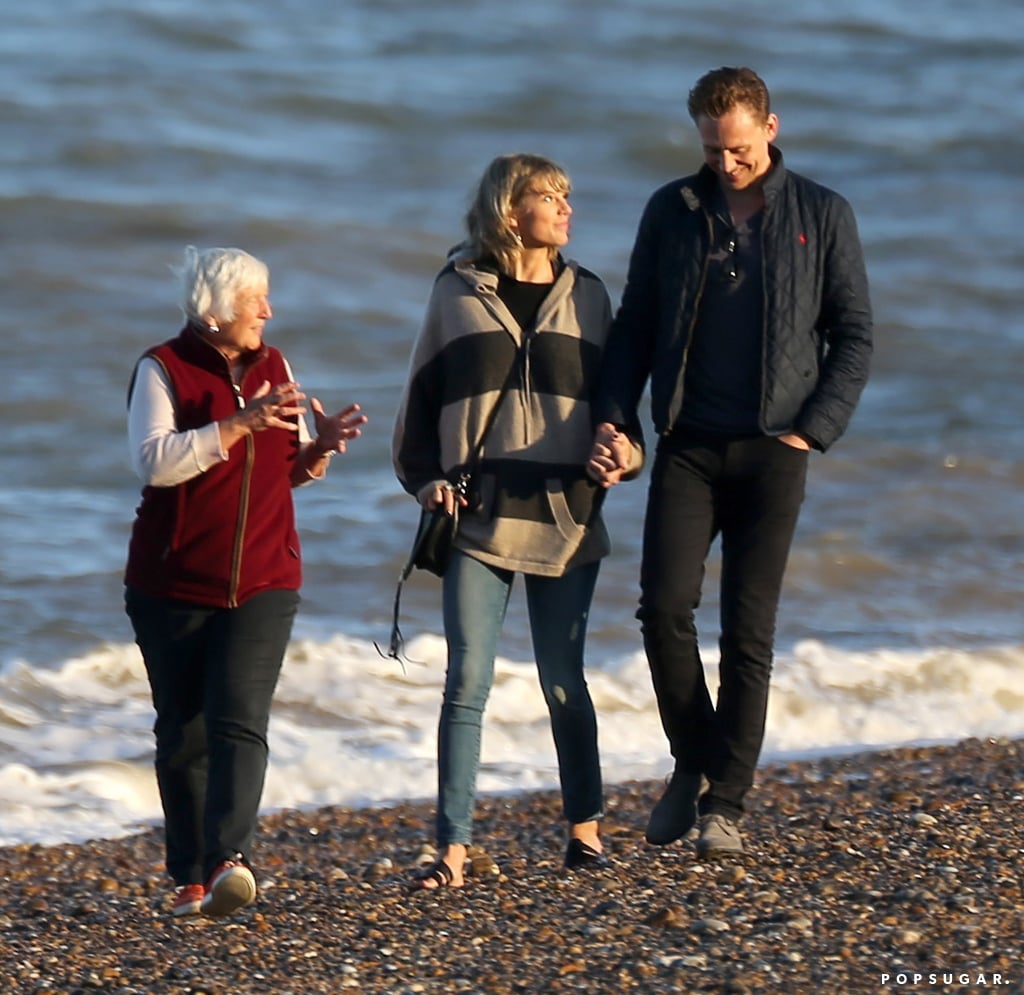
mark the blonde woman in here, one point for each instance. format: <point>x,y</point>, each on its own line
<point>510,318</point>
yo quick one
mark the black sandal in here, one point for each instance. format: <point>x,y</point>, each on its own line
<point>582,856</point>
<point>440,873</point>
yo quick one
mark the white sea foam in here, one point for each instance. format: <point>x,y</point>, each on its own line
<point>352,728</point>
<point>910,533</point>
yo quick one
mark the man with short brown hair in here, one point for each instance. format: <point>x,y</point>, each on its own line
<point>746,304</point>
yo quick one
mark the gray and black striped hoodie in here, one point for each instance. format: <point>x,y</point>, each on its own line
<point>537,511</point>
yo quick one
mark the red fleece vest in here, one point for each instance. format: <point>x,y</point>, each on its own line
<point>228,533</point>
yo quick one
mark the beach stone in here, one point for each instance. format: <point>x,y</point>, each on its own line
<point>805,917</point>
<point>711,925</point>
<point>732,875</point>
<point>669,917</point>
<point>378,869</point>
<point>906,937</point>
<point>483,865</point>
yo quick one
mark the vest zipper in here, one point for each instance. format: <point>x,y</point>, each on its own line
<point>243,507</point>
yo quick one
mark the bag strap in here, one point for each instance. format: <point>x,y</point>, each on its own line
<point>396,641</point>
<point>492,415</point>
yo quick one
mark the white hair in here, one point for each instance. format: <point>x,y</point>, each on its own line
<point>211,280</point>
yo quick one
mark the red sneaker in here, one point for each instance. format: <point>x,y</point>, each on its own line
<point>188,899</point>
<point>230,887</point>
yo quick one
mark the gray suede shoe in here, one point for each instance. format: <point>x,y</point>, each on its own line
<point>719,837</point>
<point>676,812</point>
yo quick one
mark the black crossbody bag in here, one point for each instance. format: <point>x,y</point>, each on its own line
<point>435,535</point>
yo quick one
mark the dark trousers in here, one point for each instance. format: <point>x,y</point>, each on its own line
<point>749,492</point>
<point>212,672</point>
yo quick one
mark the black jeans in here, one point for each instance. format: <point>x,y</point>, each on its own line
<point>749,491</point>
<point>212,672</point>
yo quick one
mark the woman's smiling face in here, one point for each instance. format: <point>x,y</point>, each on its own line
<point>541,217</point>
<point>244,332</point>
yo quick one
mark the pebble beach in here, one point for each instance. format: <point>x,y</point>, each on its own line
<point>874,872</point>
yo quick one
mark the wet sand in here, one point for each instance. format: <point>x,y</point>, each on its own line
<point>878,872</point>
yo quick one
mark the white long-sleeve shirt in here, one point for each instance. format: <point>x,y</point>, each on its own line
<point>161,455</point>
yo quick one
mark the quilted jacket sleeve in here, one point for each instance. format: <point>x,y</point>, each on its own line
<point>628,356</point>
<point>846,320</point>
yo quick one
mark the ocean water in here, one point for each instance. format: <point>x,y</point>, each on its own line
<point>339,142</point>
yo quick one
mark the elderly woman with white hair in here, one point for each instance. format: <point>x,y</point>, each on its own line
<point>218,435</point>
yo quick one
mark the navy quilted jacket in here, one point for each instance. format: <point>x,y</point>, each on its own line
<point>817,314</point>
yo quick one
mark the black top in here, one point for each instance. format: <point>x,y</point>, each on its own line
<point>723,370</point>
<point>817,336</point>
<point>522,299</point>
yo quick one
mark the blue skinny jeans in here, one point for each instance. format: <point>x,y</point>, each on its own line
<point>475,599</point>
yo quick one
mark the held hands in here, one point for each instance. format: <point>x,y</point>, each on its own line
<point>611,455</point>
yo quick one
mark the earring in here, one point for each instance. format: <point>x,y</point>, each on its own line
<point>517,237</point>
<point>213,327</point>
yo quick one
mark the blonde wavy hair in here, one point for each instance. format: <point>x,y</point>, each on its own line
<point>504,183</point>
